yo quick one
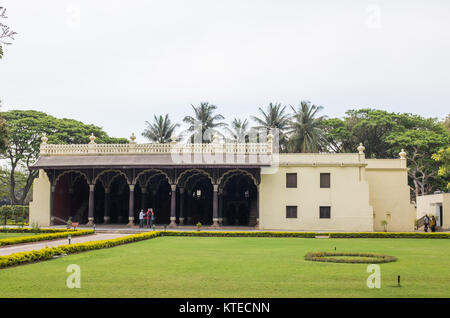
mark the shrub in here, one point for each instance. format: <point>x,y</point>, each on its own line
<point>388,235</point>
<point>29,230</point>
<point>42,237</point>
<point>357,258</point>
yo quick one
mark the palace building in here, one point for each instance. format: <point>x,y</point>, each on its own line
<point>219,185</point>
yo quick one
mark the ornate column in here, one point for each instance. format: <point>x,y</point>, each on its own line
<point>173,206</point>
<point>189,203</point>
<point>154,192</point>
<point>144,199</point>
<point>131,207</point>
<point>220,208</point>
<point>215,206</point>
<point>257,206</point>
<point>91,205</point>
<point>70,201</point>
<point>181,218</point>
<point>52,204</point>
<point>106,214</point>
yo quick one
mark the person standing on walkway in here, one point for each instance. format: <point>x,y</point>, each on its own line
<point>426,223</point>
<point>141,219</point>
<point>433,224</point>
<point>153,216</point>
<point>147,216</point>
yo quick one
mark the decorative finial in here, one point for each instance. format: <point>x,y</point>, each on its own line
<point>132,139</point>
<point>173,139</point>
<point>361,148</point>
<point>44,138</point>
<point>269,138</point>
<point>92,138</point>
<point>216,139</point>
<point>402,154</point>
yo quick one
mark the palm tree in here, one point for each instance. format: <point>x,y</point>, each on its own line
<point>239,130</point>
<point>274,118</point>
<point>306,134</point>
<point>161,130</point>
<point>204,116</point>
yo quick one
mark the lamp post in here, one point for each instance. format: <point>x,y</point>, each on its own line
<point>69,238</point>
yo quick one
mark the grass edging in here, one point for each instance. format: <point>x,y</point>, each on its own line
<point>357,258</point>
<point>43,237</point>
<point>47,253</point>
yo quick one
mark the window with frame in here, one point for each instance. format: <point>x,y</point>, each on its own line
<point>291,180</point>
<point>325,212</point>
<point>324,180</point>
<point>291,212</point>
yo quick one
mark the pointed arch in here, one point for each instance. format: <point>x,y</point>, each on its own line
<point>224,178</point>
<point>79,173</point>
<point>195,170</point>
<point>159,172</point>
<point>119,172</point>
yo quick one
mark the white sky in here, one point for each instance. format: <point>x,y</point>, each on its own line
<point>116,63</point>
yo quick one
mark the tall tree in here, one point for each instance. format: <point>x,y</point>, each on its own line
<point>3,132</point>
<point>306,129</point>
<point>204,116</point>
<point>275,117</point>
<point>6,34</point>
<point>384,134</point>
<point>239,131</point>
<point>161,130</point>
<point>25,131</point>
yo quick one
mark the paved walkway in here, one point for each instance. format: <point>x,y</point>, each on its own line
<point>7,250</point>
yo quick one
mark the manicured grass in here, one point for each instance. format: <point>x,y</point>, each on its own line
<point>237,267</point>
<point>10,235</point>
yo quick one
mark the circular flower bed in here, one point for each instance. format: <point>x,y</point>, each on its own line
<point>352,258</point>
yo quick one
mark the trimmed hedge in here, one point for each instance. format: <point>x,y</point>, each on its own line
<point>239,234</point>
<point>47,253</point>
<point>29,230</point>
<point>42,237</point>
<point>310,234</point>
<point>388,235</point>
<point>357,258</point>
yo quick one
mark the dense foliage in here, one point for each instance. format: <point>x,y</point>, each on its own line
<point>25,128</point>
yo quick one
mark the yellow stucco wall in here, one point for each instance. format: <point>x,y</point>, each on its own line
<point>348,195</point>
<point>40,205</point>
<point>390,195</point>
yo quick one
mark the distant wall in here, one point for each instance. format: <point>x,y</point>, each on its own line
<point>348,197</point>
<point>390,195</point>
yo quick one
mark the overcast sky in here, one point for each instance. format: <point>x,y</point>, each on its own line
<point>116,63</point>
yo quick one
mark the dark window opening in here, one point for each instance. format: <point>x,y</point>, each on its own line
<point>291,211</point>
<point>325,212</point>
<point>324,180</point>
<point>291,180</point>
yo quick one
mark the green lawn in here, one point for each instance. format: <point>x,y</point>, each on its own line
<point>10,235</point>
<point>237,267</point>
